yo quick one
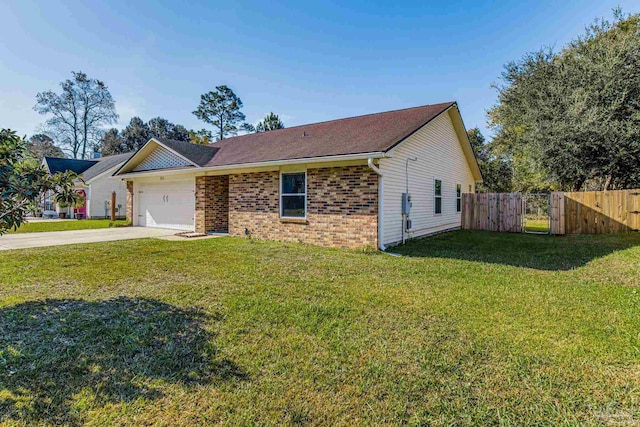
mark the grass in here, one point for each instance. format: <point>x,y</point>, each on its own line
<point>469,328</point>
<point>537,225</point>
<point>84,224</point>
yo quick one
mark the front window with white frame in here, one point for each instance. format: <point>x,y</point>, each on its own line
<point>293,195</point>
<point>437,196</point>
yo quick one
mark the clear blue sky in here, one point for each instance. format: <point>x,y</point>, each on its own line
<point>306,61</point>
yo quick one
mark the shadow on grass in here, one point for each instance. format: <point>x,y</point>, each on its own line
<point>541,252</point>
<point>59,356</point>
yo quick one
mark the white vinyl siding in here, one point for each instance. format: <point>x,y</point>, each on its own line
<point>439,156</point>
<point>100,191</point>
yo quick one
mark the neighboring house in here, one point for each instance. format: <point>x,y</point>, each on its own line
<point>96,185</point>
<point>335,183</point>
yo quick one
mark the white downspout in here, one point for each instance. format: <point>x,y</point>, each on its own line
<point>377,170</point>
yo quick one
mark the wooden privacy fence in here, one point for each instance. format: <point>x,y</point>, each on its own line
<point>596,212</point>
<point>590,212</point>
<point>492,211</point>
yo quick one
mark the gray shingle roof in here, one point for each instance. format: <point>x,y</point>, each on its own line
<point>103,164</point>
<point>87,169</point>
<point>198,154</point>
<point>354,135</point>
<point>58,164</point>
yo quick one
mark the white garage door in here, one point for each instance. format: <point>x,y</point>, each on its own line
<point>167,205</point>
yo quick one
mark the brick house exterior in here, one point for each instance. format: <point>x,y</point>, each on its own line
<point>212,204</point>
<point>342,207</point>
<point>338,183</point>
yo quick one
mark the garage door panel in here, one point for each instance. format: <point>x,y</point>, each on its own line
<point>167,205</point>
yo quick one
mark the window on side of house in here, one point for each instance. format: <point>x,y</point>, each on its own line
<point>293,195</point>
<point>437,196</point>
<point>458,197</point>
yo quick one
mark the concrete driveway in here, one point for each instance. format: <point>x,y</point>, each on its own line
<point>57,238</point>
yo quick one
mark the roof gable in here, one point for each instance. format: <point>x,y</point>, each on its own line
<point>199,155</point>
<point>161,158</point>
<point>372,134</point>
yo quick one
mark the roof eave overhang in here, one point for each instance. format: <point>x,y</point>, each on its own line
<point>137,154</point>
<point>109,171</point>
<point>461,132</point>
<point>230,168</point>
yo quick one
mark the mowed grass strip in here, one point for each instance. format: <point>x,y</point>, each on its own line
<point>64,225</point>
<point>468,328</point>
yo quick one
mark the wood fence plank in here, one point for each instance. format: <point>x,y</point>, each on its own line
<point>588,212</point>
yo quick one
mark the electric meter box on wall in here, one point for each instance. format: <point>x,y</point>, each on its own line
<point>406,203</point>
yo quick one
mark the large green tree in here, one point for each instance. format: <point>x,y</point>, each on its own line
<point>571,119</point>
<point>270,122</point>
<point>112,143</point>
<point>163,128</point>
<point>78,113</point>
<point>134,135</point>
<point>41,145</point>
<point>137,133</point>
<point>221,108</point>
<point>23,180</point>
<point>496,169</point>
<point>200,137</point>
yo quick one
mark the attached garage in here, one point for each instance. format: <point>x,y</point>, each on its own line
<point>167,204</point>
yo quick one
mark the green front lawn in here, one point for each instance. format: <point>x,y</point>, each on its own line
<point>469,328</point>
<point>83,224</point>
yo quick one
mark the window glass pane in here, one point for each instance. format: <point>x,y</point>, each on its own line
<point>438,187</point>
<point>438,205</point>
<point>293,183</point>
<point>293,206</point>
<point>458,205</point>
<point>458,189</point>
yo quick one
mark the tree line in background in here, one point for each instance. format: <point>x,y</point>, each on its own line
<point>566,120</point>
<point>79,113</point>
<point>569,120</point>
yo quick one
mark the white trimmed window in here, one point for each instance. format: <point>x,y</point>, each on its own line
<point>293,195</point>
<point>458,197</point>
<point>437,196</point>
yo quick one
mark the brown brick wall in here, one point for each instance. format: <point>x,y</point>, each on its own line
<point>212,203</point>
<point>129,202</point>
<point>342,207</point>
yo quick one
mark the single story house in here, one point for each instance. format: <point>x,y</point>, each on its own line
<point>96,185</point>
<point>340,183</point>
